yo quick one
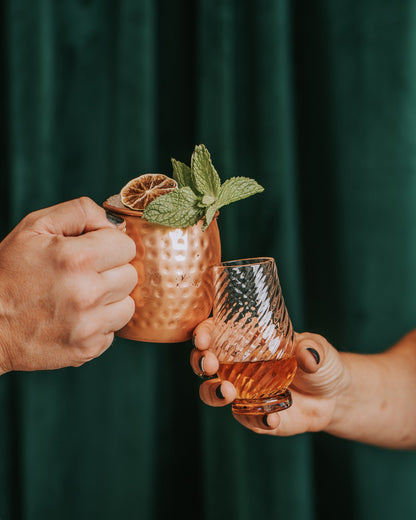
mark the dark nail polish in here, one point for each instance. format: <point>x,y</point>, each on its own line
<point>114,219</point>
<point>218,392</point>
<point>315,354</point>
<point>264,420</point>
<point>201,364</point>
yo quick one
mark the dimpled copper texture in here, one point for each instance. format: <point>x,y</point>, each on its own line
<point>174,292</point>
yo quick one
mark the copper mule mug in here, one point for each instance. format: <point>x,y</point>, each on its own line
<point>175,291</point>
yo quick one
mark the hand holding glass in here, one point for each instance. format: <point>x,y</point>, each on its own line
<point>253,335</point>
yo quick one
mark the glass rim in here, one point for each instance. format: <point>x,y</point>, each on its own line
<point>244,262</point>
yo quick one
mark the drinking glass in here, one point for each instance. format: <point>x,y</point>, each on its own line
<point>253,335</point>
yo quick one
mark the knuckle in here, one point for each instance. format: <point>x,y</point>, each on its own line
<point>320,340</point>
<point>30,220</point>
<point>86,203</point>
<point>77,295</point>
<point>69,260</point>
<point>87,206</point>
<point>90,353</point>
<point>84,296</point>
<point>92,349</point>
<point>83,300</point>
<point>84,355</point>
<point>83,333</point>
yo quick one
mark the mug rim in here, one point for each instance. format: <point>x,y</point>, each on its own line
<point>115,205</point>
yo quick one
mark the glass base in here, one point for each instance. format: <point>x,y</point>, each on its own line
<point>276,403</point>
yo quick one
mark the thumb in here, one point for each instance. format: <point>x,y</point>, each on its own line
<point>321,368</point>
<point>72,218</point>
<point>311,351</point>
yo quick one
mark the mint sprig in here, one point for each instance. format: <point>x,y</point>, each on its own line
<point>178,208</point>
<point>204,176</point>
<point>181,173</point>
<point>200,193</point>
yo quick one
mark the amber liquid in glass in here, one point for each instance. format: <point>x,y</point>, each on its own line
<point>259,379</point>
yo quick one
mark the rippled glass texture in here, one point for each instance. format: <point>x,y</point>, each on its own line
<point>253,334</point>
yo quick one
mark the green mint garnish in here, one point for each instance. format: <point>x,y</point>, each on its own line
<point>177,209</point>
<point>204,176</point>
<point>200,193</point>
<point>182,174</point>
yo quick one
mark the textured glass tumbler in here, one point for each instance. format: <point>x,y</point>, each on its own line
<point>253,335</point>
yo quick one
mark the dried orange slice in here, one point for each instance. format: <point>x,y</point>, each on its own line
<point>139,192</point>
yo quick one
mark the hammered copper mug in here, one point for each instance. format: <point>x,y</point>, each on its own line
<point>174,292</point>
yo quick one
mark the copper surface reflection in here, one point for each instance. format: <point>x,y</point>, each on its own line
<point>174,293</point>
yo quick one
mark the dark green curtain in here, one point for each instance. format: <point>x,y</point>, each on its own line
<point>317,101</point>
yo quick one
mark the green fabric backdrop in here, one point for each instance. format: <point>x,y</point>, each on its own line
<point>317,101</point>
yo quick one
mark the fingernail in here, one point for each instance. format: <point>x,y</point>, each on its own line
<point>114,219</point>
<point>201,364</point>
<point>218,392</point>
<point>315,354</point>
<point>264,420</point>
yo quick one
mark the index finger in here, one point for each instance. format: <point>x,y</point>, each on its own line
<point>102,250</point>
<point>202,335</point>
<point>71,218</point>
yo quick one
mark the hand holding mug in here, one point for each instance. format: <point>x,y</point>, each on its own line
<point>65,281</point>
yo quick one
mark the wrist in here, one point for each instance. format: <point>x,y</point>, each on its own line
<point>344,398</point>
<point>356,413</point>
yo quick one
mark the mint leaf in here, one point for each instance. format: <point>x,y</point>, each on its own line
<point>207,200</point>
<point>204,176</point>
<point>237,188</point>
<point>209,215</point>
<point>175,209</point>
<point>181,173</point>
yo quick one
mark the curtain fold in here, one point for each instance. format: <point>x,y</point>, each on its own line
<point>317,102</point>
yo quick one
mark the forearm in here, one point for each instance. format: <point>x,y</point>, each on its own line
<point>377,406</point>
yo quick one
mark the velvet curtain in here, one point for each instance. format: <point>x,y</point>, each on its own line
<point>317,101</point>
